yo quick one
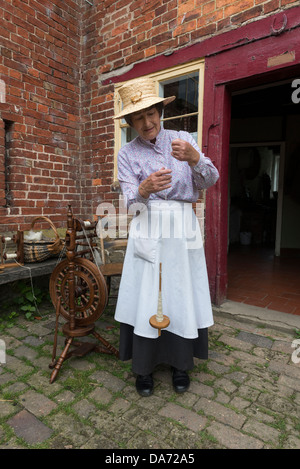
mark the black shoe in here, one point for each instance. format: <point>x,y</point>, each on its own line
<point>144,385</point>
<point>181,380</point>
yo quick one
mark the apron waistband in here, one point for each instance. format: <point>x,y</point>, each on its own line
<point>168,205</point>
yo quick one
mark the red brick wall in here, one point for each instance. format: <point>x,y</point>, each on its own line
<point>40,65</point>
<point>135,30</point>
<point>58,61</point>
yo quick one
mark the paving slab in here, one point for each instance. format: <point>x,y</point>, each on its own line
<point>37,403</point>
<point>29,428</point>
<point>255,339</point>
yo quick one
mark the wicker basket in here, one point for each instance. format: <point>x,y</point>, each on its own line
<point>37,251</point>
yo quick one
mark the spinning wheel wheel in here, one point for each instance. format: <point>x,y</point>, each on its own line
<point>79,292</point>
<point>89,290</point>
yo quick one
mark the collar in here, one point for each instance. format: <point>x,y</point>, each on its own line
<point>158,139</point>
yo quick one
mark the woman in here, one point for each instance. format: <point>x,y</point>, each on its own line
<point>160,174</point>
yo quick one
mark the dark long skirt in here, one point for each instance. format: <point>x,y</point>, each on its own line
<point>168,349</point>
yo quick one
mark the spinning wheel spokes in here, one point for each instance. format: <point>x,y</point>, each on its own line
<point>90,290</point>
<point>84,291</point>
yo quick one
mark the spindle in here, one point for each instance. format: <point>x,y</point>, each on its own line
<point>159,320</point>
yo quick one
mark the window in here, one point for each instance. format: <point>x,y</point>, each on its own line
<point>185,113</point>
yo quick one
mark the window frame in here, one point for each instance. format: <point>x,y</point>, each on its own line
<point>166,74</point>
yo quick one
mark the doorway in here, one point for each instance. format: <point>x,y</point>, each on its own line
<point>255,194</point>
<point>263,262</point>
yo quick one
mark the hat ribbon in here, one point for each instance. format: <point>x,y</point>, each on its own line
<point>136,98</point>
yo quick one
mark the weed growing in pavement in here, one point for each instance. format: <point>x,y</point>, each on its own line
<point>28,299</point>
<point>25,301</point>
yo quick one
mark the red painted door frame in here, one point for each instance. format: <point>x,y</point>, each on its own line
<point>267,60</point>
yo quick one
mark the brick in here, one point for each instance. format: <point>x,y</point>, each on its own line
<point>230,438</point>
<point>271,6</point>
<point>262,431</point>
<point>209,7</point>
<point>150,51</point>
<point>255,339</point>
<point>246,15</point>
<point>120,29</point>
<point>221,413</point>
<point>277,404</point>
<point>184,416</point>
<point>223,3</point>
<point>37,404</point>
<point>161,38</point>
<point>290,382</point>
<point>97,182</point>
<point>204,31</point>
<point>158,30</point>
<point>185,7</point>
<point>28,427</point>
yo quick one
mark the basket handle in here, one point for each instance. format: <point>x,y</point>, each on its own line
<point>48,221</point>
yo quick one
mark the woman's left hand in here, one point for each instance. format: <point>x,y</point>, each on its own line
<point>184,151</point>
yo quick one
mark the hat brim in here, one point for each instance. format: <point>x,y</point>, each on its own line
<point>143,104</point>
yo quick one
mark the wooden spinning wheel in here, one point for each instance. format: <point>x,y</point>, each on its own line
<point>89,290</point>
<point>79,292</point>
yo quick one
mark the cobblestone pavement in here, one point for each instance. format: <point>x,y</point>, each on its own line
<point>245,396</point>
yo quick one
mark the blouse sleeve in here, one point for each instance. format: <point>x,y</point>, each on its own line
<point>204,173</point>
<point>129,181</point>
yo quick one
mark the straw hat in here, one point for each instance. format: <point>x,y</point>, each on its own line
<point>139,94</point>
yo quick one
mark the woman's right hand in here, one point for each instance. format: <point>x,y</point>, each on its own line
<point>156,182</point>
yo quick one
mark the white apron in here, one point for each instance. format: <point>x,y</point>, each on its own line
<point>165,232</point>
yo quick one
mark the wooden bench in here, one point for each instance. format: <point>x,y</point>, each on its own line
<point>26,271</point>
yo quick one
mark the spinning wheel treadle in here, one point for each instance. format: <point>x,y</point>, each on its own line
<point>79,292</point>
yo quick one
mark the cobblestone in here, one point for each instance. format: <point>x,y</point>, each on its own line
<point>245,396</point>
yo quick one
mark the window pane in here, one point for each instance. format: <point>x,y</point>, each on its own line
<point>185,88</point>
<point>127,135</point>
<point>187,123</point>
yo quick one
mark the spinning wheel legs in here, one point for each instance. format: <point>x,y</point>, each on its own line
<point>60,361</point>
<point>81,348</point>
<point>108,348</point>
